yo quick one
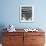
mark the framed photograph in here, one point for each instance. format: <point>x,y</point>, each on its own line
<point>26,13</point>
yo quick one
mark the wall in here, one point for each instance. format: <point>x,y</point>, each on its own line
<point>10,13</point>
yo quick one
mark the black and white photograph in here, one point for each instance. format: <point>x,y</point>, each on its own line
<point>26,13</point>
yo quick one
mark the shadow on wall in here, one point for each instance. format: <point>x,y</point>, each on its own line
<point>2,26</point>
